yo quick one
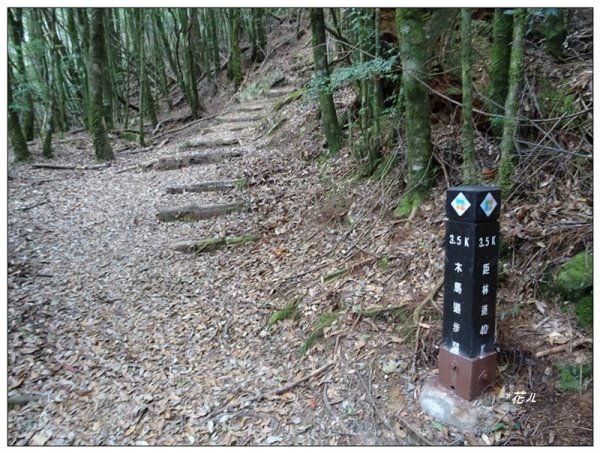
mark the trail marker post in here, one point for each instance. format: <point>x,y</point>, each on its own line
<point>467,359</point>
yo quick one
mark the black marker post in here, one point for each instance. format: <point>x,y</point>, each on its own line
<point>467,359</point>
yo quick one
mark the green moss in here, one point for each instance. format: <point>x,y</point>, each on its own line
<point>585,311</point>
<point>575,277</point>
<point>571,377</point>
<point>262,86</point>
<point>325,320</point>
<point>289,311</point>
<point>407,204</point>
<point>297,94</point>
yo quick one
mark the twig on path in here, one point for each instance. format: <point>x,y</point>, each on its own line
<point>403,422</point>
<point>414,361</point>
<point>35,205</point>
<point>429,297</point>
<point>563,347</point>
<point>262,396</point>
<point>333,414</point>
<point>123,170</point>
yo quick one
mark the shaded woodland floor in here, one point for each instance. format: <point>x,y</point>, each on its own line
<point>114,338</point>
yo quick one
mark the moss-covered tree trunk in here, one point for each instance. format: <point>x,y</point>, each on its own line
<point>82,88</point>
<point>102,147</point>
<point>499,64</point>
<point>17,139</point>
<point>259,38</point>
<point>412,28</point>
<point>511,107</point>
<point>470,173</point>
<point>333,132</point>
<point>15,25</point>
<point>141,74</point>
<point>194,61</point>
<point>214,41</point>
<point>234,66</point>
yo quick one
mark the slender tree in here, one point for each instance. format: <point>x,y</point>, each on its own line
<point>511,107</point>
<point>234,67</point>
<point>101,143</point>
<point>141,73</point>
<point>214,40</point>
<point>414,42</point>
<point>333,132</point>
<point>15,25</point>
<point>470,173</point>
<point>17,139</point>
<point>499,64</point>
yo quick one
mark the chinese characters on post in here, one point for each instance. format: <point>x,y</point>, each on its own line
<point>467,356</point>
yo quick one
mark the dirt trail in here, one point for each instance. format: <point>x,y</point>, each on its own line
<point>116,339</point>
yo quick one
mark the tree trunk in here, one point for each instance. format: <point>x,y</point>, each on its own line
<point>102,146</point>
<point>470,173</point>
<point>141,75</point>
<point>500,62</point>
<point>259,38</point>
<point>82,89</point>
<point>333,132</point>
<point>511,107</point>
<point>195,68</point>
<point>412,27</point>
<point>17,139</point>
<point>15,22</point>
<point>234,67</point>
<point>214,41</point>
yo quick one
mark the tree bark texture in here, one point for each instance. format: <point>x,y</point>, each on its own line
<point>499,65</point>
<point>102,147</point>
<point>511,107</point>
<point>333,132</point>
<point>470,173</point>
<point>412,27</point>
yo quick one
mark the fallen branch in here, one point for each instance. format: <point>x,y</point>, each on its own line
<point>72,167</point>
<point>281,390</point>
<point>35,205</point>
<point>563,347</point>
<point>123,170</point>
<point>333,414</point>
<point>193,213</point>
<point>400,419</point>
<point>206,118</point>
<point>429,297</point>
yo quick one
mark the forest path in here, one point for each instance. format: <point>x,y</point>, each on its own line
<point>114,338</point>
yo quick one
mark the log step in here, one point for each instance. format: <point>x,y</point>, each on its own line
<point>192,213</point>
<point>246,119</point>
<point>251,108</point>
<point>176,162</point>
<point>210,186</point>
<point>210,245</point>
<point>205,143</point>
<point>277,92</point>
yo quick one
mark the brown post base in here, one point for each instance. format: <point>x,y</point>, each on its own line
<point>468,378</point>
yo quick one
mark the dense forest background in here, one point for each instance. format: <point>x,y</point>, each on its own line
<point>116,70</point>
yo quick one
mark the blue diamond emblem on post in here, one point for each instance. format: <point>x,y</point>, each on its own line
<point>461,204</point>
<point>488,204</point>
